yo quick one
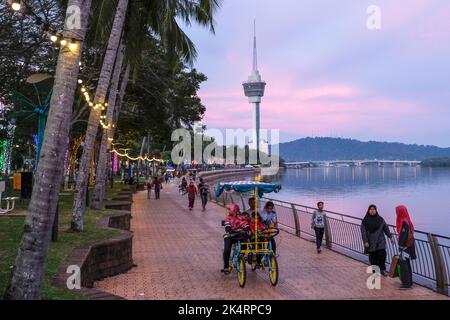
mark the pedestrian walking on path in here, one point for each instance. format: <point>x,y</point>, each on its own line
<point>166,177</point>
<point>149,188</point>
<point>318,224</point>
<point>203,188</point>
<point>373,229</point>
<point>406,245</point>
<point>191,191</point>
<point>158,186</point>
<point>183,185</point>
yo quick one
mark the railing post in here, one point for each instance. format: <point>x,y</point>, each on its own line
<point>243,203</point>
<point>296,221</point>
<point>224,198</point>
<point>438,259</point>
<point>328,237</point>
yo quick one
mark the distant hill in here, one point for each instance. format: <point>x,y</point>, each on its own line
<point>316,149</point>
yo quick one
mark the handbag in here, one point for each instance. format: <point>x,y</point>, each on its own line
<point>395,266</point>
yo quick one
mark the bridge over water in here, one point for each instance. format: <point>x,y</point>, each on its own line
<point>179,254</point>
<point>300,164</point>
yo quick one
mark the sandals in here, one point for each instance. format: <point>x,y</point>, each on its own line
<point>226,270</point>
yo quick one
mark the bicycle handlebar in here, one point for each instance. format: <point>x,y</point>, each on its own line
<point>272,232</point>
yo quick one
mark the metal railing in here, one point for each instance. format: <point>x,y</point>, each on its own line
<point>343,235</point>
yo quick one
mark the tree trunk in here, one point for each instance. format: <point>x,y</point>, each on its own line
<point>104,154</point>
<point>79,205</point>
<point>123,88</point>
<point>28,273</point>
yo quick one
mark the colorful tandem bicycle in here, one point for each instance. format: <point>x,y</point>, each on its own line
<point>258,250</point>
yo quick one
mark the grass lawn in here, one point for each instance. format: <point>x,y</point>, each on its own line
<point>11,232</point>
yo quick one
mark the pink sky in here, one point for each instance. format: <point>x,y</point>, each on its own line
<point>327,74</point>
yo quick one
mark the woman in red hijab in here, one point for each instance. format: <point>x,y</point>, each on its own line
<point>234,224</point>
<point>405,230</point>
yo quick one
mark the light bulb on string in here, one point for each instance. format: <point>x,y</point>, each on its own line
<point>16,5</point>
<point>53,38</point>
<point>63,42</point>
<point>73,45</point>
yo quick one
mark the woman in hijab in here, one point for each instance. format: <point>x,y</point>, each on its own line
<point>234,223</point>
<point>373,229</point>
<point>405,230</point>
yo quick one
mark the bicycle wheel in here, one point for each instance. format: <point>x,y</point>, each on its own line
<point>273,270</point>
<point>241,272</point>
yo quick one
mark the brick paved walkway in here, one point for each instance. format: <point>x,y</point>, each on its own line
<point>179,256</point>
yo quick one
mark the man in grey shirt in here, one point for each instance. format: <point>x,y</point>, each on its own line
<point>251,211</point>
<point>318,224</point>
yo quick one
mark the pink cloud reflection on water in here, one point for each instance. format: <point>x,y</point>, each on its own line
<point>351,190</point>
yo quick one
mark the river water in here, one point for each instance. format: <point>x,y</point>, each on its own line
<point>350,190</point>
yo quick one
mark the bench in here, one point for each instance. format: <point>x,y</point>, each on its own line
<point>10,201</point>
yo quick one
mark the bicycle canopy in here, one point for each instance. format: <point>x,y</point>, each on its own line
<point>247,186</point>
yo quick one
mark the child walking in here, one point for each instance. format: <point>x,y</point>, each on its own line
<point>318,224</point>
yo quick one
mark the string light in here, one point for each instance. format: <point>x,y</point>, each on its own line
<point>146,158</point>
<point>16,5</point>
<point>102,106</point>
<point>55,37</point>
<point>73,45</point>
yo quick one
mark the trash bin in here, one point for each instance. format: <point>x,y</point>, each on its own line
<point>17,181</point>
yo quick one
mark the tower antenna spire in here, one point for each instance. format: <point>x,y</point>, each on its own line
<point>255,52</point>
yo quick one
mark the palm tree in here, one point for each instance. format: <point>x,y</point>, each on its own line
<point>159,17</point>
<point>102,165</point>
<point>29,267</point>
<point>94,117</point>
